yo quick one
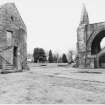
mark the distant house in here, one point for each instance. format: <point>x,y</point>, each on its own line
<point>13,35</point>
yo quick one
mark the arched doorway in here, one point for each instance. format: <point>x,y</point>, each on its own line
<point>102,60</point>
<point>15,51</point>
<point>102,44</point>
<point>97,50</point>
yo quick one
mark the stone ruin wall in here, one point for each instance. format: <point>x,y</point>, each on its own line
<point>12,21</point>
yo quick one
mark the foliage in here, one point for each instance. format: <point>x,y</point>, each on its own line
<point>64,58</point>
<point>39,55</point>
<point>50,58</point>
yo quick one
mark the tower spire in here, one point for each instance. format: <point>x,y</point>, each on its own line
<point>84,16</point>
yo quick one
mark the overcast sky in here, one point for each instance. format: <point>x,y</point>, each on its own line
<point>52,24</point>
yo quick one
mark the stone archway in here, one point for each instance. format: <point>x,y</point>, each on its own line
<point>93,36</point>
<point>89,37</point>
<point>95,45</point>
<point>102,60</point>
<point>96,48</point>
<point>22,49</point>
<point>15,56</point>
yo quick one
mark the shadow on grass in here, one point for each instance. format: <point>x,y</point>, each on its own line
<point>89,72</point>
<point>62,65</point>
<point>43,65</point>
<point>10,71</point>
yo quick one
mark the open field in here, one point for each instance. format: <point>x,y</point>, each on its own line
<point>53,84</point>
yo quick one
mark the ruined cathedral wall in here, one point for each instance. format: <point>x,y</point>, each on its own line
<point>11,16</point>
<point>11,22</point>
<point>86,33</point>
<point>90,30</point>
<point>81,44</point>
<point>81,39</point>
<point>99,26</point>
<point>5,53</point>
<point>93,29</point>
<point>2,39</point>
<point>83,34</point>
<point>22,36</point>
<point>3,22</point>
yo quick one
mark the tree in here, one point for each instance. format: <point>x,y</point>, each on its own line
<point>36,55</point>
<point>42,55</point>
<point>50,58</point>
<point>54,58</point>
<point>57,56</point>
<point>70,56</point>
<point>59,59</point>
<point>64,58</point>
<point>39,55</point>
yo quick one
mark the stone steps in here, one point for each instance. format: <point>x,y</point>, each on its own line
<point>7,69</point>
